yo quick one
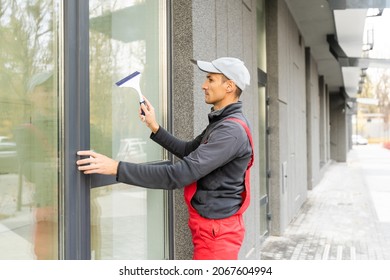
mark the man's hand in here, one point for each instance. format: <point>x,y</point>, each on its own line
<point>96,163</point>
<point>149,117</point>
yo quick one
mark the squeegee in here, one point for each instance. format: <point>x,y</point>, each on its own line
<point>133,81</point>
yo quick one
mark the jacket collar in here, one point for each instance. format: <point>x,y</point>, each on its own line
<point>217,115</point>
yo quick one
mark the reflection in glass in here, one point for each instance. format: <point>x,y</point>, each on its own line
<point>28,130</point>
<point>126,36</point>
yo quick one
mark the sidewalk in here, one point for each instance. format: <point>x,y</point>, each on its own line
<point>346,216</point>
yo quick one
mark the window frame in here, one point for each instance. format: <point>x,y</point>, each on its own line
<point>74,208</point>
<point>74,200</point>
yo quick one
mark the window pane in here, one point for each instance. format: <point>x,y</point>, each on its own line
<point>28,129</point>
<point>126,36</point>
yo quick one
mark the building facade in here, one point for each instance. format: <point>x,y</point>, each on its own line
<point>58,67</point>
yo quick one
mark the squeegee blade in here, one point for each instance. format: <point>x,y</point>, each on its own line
<point>128,78</point>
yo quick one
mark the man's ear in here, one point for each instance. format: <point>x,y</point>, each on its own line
<point>231,86</point>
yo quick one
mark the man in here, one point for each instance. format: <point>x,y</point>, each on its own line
<point>37,147</point>
<point>214,166</point>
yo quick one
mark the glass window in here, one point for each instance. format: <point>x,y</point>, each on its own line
<point>29,129</point>
<point>126,36</point>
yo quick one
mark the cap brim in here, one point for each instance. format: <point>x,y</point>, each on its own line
<point>38,79</point>
<point>206,66</point>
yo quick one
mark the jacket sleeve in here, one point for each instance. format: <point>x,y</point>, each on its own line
<point>154,176</point>
<point>223,145</point>
<point>174,145</point>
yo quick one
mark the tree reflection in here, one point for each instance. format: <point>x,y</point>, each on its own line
<point>29,118</point>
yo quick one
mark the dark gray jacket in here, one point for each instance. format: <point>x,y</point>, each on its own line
<point>217,159</point>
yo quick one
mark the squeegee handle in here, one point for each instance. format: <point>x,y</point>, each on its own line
<point>142,112</point>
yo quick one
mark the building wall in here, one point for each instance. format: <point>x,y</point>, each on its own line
<point>313,121</point>
<point>286,86</point>
<point>182,105</point>
<point>205,30</point>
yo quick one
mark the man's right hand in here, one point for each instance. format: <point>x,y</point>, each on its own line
<point>148,116</point>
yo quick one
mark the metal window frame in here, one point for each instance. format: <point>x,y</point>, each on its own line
<point>74,78</point>
<point>75,223</point>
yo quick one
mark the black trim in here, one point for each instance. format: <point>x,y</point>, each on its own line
<point>76,129</point>
<point>345,61</point>
<point>261,78</point>
<point>336,50</point>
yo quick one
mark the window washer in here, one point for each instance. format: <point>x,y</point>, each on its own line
<point>214,167</point>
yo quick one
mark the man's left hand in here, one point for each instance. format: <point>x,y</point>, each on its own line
<point>96,163</point>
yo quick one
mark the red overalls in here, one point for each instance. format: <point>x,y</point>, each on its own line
<point>219,239</point>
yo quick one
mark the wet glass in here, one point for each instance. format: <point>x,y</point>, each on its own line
<point>29,121</point>
<point>127,222</point>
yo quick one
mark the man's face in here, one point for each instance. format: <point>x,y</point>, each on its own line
<point>215,88</point>
<point>42,98</point>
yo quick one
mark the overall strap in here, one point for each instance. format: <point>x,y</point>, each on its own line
<point>248,132</point>
<point>246,193</point>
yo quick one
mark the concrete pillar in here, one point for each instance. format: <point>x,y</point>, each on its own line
<point>338,128</point>
<point>182,110</point>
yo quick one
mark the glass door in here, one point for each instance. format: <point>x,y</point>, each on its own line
<point>127,222</point>
<point>29,134</point>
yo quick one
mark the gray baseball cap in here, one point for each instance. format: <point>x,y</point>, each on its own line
<point>38,79</point>
<point>233,68</point>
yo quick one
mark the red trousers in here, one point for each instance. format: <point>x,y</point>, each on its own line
<point>216,239</point>
<point>45,233</point>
